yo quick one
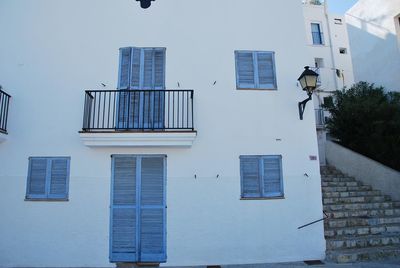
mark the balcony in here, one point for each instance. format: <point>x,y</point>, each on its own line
<point>4,104</point>
<point>138,118</point>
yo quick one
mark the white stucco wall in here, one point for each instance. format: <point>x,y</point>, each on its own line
<point>52,50</point>
<point>374,42</point>
<point>335,37</point>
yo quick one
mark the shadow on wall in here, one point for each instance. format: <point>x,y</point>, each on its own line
<point>375,54</point>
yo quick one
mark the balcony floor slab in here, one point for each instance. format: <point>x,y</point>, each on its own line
<point>138,139</point>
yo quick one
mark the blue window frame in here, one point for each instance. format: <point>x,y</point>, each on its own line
<point>255,69</point>
<point>261,176</point>
<point>317,35</point>
<point>48,178</point>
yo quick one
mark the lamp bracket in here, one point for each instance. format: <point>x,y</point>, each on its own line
<point>302,105</point>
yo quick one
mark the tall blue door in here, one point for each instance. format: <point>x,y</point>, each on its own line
<point>138,209</point>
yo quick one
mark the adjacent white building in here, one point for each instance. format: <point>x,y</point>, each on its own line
<point>374,32</point>
<point>163,135</point>
<point>329,55</point>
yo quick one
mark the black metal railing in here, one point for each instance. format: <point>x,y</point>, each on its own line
<point>138,110</point>
<point>319,117</point>
<point>4,103</point>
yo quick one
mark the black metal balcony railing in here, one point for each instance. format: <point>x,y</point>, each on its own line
<point>4,103</point>
<point>138,110</point>
<point>319,117</point>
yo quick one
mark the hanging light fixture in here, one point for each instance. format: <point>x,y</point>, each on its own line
<point>145,3</point>
<point>308,81</point>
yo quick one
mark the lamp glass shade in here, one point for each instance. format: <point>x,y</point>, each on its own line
<point>308,79</point>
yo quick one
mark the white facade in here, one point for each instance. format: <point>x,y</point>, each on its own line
<point>374,32</point>
<point>330,55</point>
<point>51,51</point>
<point>333,56</point>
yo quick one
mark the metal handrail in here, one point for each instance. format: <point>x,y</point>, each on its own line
<point>4,106</point>
<point>138,110</point>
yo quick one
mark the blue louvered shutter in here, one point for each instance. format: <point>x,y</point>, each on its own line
<point>124,67</point>
<point>245,72</point>
<point>159,84</point>
<point>135,68</point>
<point>272,176</point>
<point>129,78</point>
<point>59,175</point>
<point>135,83</point>
<point>124,244</point>
<point>250,175</point>
<point>37,175</point>
<point>153,212</point>
<point>266,70</point>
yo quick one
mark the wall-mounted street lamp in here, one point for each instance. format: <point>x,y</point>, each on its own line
<point>308,82</point>
<point>145,3</point>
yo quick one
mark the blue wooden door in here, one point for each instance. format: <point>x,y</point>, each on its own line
<point>138,209</point>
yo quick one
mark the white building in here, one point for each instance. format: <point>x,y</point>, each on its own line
<point>374,32</point>
<point>224,173</point>
<point>330,55</point>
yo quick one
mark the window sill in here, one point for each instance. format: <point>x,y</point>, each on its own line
<point>46,199</point>
<point>263,198</point>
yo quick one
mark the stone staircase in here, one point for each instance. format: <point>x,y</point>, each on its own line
<point>363,223</point>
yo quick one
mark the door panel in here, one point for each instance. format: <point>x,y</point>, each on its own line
<point>138,213</point>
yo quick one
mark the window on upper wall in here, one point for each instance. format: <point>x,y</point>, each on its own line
<point>317,35</point>
<point>48,178</point>
<point>261,176</point>
<point>343,50</point>
<point>338,21</point>
<point>255,70</point>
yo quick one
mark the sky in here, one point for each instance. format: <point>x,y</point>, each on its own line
<point>340,6</point>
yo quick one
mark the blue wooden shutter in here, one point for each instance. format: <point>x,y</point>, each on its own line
<point>124,67</point>
<point>245,72</point>
<point>159,68</point>
<point>128,102</point>
<point>135,68</point>
<point>153,213</point>
<point>59,175</point>
<point>123,229</point>
<point>250,175</point>
<point>266,71</point>
<point>159,84</point>
<point>272,176</point>
<point>37,174</point>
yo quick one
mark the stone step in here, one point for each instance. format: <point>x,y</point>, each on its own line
<point>363,254</point>
<point>355,199</point>
<point>362,230</point>
<point>347,189</point>
<point>338,175</point>
<point>359,206</point>
<point>341,184</point>
<point>350,194</point>
<point>363,241</point>
<point>337,179</point>
<point>361,221</point>
<point>363,213</point>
